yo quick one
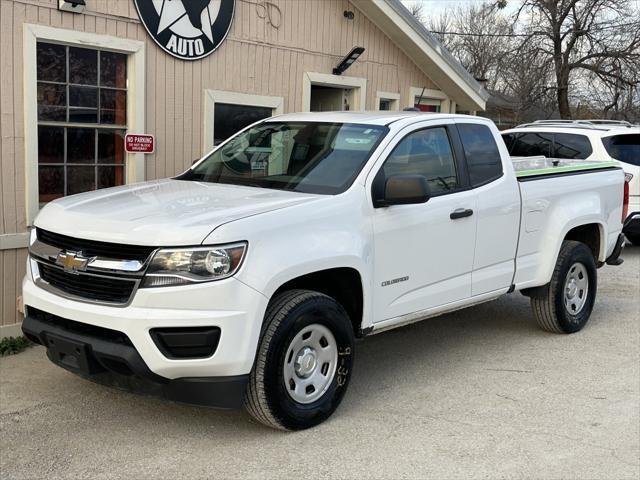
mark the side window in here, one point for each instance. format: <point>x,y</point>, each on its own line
<point>570,145</point>
<point>483,157</point>
<point>531,145</point>
<point>425,152</point>
<point>508,139</point>
<point>625,148</point>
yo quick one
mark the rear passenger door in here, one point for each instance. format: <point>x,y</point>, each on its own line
<point>498,206</point>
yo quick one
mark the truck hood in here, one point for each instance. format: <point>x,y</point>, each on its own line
<point>160,213</point>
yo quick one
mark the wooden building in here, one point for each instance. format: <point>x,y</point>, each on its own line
<point>72,83</point>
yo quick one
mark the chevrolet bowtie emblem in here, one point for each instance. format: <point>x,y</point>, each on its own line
<point>72,262</point>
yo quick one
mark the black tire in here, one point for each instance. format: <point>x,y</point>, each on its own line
<point>548,302</point>
<point>634,239</point>
<point>267,399</point>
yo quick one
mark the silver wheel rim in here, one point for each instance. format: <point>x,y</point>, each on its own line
<point>576,288</point>
<point>310,363</point>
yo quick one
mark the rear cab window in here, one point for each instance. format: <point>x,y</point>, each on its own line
<point>625,148</point>
<point>481,151</point>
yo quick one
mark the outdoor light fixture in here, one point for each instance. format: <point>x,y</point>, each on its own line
<point>73,6</point>
<point>348,14</point>
<point>346,62</point>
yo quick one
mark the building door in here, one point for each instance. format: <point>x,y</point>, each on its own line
<point>331,99</point>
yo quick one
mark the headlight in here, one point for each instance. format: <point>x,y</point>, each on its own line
<point>184,266</point>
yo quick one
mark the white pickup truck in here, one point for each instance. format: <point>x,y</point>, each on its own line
<point>247,279</point>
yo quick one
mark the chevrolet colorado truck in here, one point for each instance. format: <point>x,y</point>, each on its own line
<point>247,279</point>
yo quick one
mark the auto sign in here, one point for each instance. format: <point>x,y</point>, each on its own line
<point>187,29</point>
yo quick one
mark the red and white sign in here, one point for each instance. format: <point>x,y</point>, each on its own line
<point>139,143</point>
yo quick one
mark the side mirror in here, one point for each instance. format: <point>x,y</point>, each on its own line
<point>404,190</point>
<point>195,161</point>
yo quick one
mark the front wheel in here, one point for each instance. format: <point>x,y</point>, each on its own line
<point>304,361</point>
<point>564,305</point>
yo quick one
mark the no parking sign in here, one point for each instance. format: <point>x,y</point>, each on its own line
<point>139,143</point>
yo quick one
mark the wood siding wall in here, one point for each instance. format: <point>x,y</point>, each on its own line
<point>256,58</point>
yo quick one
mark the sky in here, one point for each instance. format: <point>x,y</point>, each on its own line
<point>438,7</point>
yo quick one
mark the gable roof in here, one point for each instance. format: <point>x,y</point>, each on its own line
<point>425,51</point>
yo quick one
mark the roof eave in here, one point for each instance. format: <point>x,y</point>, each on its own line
<point>425,51</point>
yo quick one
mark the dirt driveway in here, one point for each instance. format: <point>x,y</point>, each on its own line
<point>480,393</point>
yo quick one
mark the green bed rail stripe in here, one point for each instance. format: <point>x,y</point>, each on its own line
<point>565,169</point>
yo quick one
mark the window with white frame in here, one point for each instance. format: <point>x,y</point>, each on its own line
<point>428,104</point>
<point>428,99</point>
<point>386,101</point>
<point>82,119</point>
<point>230,118</point>
<point>226,113</point>
<point>385,104</point>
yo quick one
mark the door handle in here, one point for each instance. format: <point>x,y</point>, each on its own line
<point>460,213</point>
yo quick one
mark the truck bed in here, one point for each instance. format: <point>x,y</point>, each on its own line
<point>533,167</point>
<point>557,199</point>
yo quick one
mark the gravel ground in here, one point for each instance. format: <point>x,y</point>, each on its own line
<point>480,393</point>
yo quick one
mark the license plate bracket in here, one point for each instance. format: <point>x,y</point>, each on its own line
<point>70,354</point>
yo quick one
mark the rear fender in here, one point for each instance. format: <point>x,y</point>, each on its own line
<point>540,243</point>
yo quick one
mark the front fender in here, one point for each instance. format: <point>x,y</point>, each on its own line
<point>289,243</point>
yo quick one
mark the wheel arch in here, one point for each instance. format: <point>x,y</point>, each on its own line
<point>592,235</point>
<point>343,284</point>
<point>589,230</point>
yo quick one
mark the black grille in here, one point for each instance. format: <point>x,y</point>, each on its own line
<point>94,248</point>
<point>104,289</point>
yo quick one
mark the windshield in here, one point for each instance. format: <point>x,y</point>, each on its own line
<point>309,157</point>
<point>625,148</point>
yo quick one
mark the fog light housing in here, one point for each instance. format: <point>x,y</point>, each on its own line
<point>181,343</point>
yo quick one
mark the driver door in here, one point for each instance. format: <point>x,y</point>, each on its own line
<point>423,253</point>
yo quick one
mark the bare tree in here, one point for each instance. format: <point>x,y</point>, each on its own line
<point>613,100</point>
<point>597,36</point>
<point>417,10</point>
<point>524,76</point>
<point>440,27</point>
<point>478,35</point>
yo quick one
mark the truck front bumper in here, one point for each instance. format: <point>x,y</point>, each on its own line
<point>109,358</point>
<point>116,346</point>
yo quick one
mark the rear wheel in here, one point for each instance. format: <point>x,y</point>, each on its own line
<point>304,361</point>
<point>565,304</point>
